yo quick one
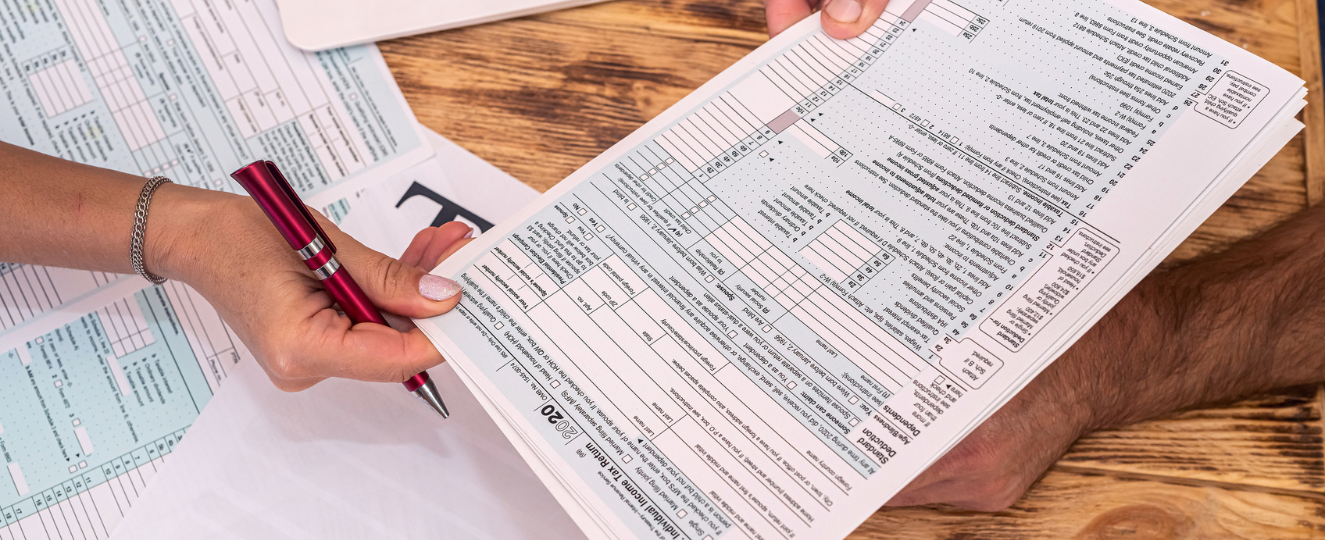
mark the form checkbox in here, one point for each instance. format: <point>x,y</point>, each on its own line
<point>681,513</point>
<point>588,236</point>
<point>82,464</point>
<point>554,384</point>
<point>764,153</point>
<point>581,211</point>
<point>59,384</point>
<point>768,328</point>
<point>713,198</point>
<point>599,228</point>
<point>631,206</point>
<point>670,161</point>
<point>499,325</point>
<point>653,171</point>
<point>570,220</point>
<point>685,215</point>
<point>854,400</point>
<point>73,468</point>
<point>708,278</point>
<point>694,209</point>
<point>627,458</point>
<point>791,385</point>
<point>703,204</point>
<point>645,177</point>
<point>853,422</point>
<point>731,334</point>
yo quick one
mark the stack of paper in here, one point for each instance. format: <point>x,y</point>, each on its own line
<point>766,311</point>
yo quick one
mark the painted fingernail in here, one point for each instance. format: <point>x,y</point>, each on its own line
<point>437,287</point>
<point>473,233</point>
<point>847,11</point>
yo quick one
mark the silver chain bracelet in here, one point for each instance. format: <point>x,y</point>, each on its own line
<point>140,229</point>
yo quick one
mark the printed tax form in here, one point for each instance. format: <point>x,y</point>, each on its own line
<point>190,90</point>
<point>766,311</point>
<point>100,376</point>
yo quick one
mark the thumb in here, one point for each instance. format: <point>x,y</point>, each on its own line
<point>395,286</point>
<point>782,14</point>
<point>846,19</point>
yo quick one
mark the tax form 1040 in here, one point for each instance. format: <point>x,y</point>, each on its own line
<point>766,311</point>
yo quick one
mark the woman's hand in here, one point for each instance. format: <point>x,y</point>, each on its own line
<point>842,19</point>
<point>225,247</point>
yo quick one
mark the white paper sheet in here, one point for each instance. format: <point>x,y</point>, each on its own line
<point>345,460</point>
<point>457,185</point>
<point>260,463</point>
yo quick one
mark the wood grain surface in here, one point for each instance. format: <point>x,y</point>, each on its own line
<point>541,96</point>
<point>1308,31</point>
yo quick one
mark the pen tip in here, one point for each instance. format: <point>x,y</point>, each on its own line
<point>428,391</point>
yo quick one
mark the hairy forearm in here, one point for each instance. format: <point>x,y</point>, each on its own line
<point>60,213</point>
<point>1248,319</point>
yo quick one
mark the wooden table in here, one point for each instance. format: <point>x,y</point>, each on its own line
<point>540,96</point>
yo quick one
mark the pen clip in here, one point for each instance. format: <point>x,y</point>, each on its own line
<point>303,209</point>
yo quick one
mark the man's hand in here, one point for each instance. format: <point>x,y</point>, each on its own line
<point>842,19</point>
<point>990,469</point>
<point>996,463</point>
<point>1245,320</point>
